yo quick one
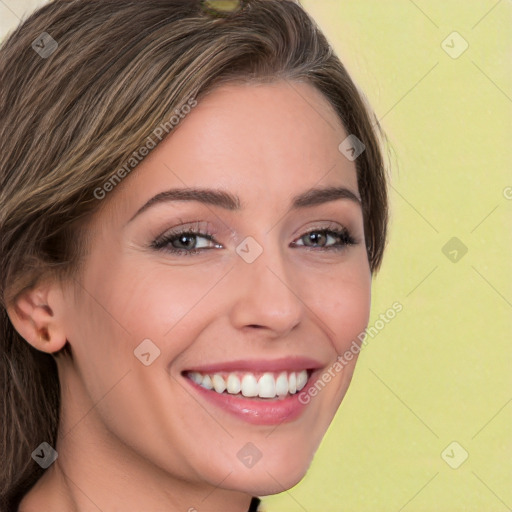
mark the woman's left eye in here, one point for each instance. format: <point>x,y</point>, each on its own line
<point>186,242</point>
<point>324,238</point>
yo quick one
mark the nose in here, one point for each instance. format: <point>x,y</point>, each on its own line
<point>265,297</point>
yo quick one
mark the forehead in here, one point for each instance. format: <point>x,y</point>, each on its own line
<point>265,140</point>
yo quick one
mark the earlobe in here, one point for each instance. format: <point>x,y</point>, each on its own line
<point>37,320</point>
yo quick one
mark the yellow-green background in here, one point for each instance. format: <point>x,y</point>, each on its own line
<point>441,370</point>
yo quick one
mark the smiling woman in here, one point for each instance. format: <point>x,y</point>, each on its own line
<point>155,340</point>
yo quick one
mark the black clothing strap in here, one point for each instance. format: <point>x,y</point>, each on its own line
<point>255,503</point>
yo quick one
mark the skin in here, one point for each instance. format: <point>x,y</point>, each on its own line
<point>133,437</point>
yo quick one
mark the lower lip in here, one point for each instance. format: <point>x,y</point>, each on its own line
<point>258,411</point>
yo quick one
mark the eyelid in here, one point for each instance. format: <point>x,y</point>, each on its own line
<point>202,228</point>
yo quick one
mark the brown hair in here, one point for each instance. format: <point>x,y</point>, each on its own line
<point>76,104</point>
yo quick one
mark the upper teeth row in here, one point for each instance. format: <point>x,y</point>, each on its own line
<point>268,385</point>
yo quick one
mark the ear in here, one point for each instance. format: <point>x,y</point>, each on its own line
<point>37,316</point>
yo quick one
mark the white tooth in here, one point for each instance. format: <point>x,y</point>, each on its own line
<point>233,384</point>
<point>249,385</point>
<point>207,382</point>
<point>219,384</point>
<point>282,384</point>
<point>267,386</point>
<point>302,378</point>
<point>292,383</point>
<point>196,377</point>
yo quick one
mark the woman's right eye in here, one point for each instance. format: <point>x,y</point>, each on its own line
<point>185,242</point>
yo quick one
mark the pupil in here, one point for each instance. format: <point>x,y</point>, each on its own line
<point>183,240</point>
<point>316,238</point>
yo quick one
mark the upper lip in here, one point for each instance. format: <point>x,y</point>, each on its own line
<point>260,365</point>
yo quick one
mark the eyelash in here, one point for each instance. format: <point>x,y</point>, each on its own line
<point>163,242</point>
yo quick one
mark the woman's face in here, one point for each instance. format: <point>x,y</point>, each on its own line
<point>273,284</point>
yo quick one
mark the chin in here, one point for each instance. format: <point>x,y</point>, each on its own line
<point>267,481</point>
<point>271,474</point>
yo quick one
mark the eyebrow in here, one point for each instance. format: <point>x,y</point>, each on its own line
<point>228,201</point>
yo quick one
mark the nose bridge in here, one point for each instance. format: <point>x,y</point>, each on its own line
<point>266,296</point>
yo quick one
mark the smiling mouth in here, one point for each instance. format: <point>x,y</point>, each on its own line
<point>266,385</point>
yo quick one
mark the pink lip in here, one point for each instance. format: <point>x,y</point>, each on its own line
<point>258,411</point>
<point>260,365</point>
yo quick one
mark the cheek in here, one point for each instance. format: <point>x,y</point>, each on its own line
<point>160,299</point>
<point>348,315</point>
<point>343,304</point>
<point>146,300</point>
